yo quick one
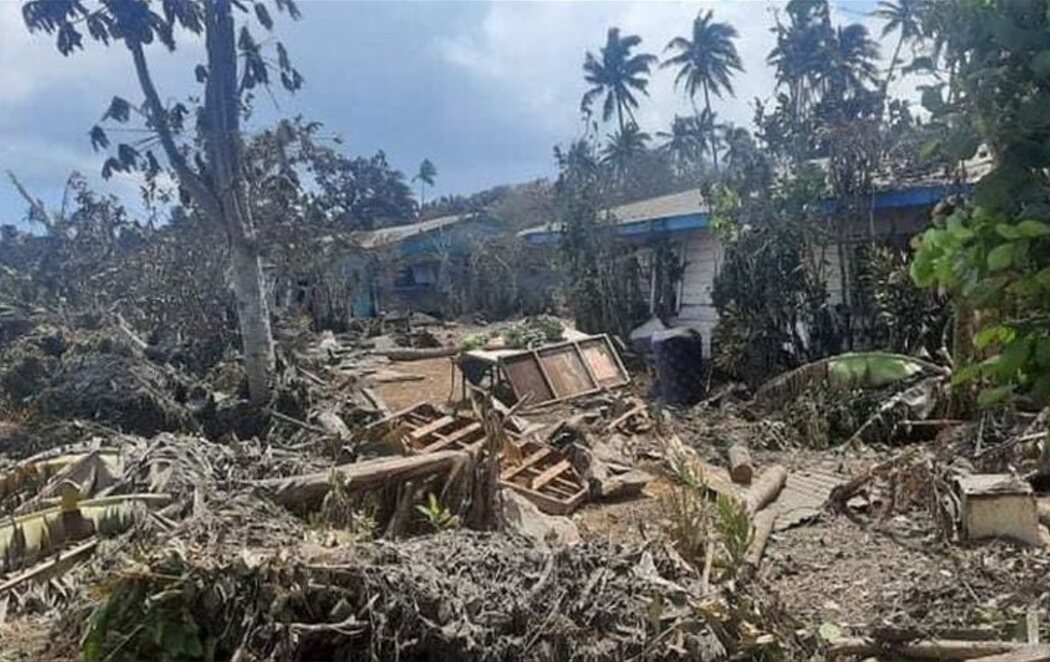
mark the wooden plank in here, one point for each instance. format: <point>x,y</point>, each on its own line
<point>528,462</point>
<point>586,365</point>
<point>431,427</point>
<point>453,438</point>
<point>546,377</point>
<point>566,370</point>
<point>550,474</point>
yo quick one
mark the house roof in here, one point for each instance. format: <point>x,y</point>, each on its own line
<point>397,233</point>
<point>686,210</point>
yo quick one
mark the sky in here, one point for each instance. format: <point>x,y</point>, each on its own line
<point>483,89</point>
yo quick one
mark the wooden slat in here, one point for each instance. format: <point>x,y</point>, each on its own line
<point>586,366</point>
<point>453,438</point>
<point>550,474</point>
<point>432,427</point>
<point>546,377</point>
<point>528,462</point>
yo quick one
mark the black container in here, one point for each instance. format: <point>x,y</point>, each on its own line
<point>678,356</point>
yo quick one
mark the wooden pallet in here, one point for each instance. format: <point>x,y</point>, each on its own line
<point>425,429</point>
<point>545,476</point>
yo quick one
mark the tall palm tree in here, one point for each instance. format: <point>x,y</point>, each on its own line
<point>706,62</point>
<point>617,74</point>
<point>624,150</point>
<point>426,176</point>
<point>902,17</point>
<point>800,52</point>
<point>851,61</point>
<point>685,144</point>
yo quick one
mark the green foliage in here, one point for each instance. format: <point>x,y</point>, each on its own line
<point>772,282</point>
<point>687,522</point>
<point>151,618</point>
<point>889,310</point>
<point>534,332</point>
<point>734,528</point>
<point>437,515</point>
<point>603,290</point>
<point>993,255</point>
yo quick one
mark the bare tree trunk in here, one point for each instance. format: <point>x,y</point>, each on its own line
<point>223,146</point>
<point>711,118</point>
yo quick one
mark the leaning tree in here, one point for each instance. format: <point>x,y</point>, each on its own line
<point>208,166</point>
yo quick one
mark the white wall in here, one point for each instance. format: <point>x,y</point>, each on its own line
<point>703,258</point>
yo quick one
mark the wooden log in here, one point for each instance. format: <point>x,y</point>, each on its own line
<point>740,465</point>
<point>1038,653</point>
<point>765,489</point>
<point>306,492</point>
<point>935,649</point>
<point>418,354</point>
<point>763,523</point>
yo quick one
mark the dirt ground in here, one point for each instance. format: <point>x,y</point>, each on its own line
<point>439,379</point>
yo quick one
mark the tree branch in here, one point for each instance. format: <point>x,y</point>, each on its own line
<point>198,189</point>
<point>37,211</point>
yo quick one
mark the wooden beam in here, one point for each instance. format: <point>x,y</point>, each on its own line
<point>431,427</point>
<point>452,438</point>
<point>550,474</point>
<point>528,462</point>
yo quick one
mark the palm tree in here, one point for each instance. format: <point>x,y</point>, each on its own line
<point>684,144</point>
<point>801,50</point>
<point>902,17</point>
<point>617,74</point>
<point>426,176</point>
<point>851,60</point>
<point>624,150</point>
<point>706,62</point>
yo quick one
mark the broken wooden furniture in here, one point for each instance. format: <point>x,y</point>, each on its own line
<point>998,506</point>
<point>544,475</point>
<point>422,428</point>
<point>552,373</point>
<point>534,469</point>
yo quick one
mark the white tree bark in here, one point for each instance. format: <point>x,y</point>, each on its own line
<point>222,139</point>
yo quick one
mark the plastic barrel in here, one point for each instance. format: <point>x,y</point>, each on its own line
<point>678,356</point>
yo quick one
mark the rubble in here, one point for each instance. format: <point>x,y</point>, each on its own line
<point>328,526</point>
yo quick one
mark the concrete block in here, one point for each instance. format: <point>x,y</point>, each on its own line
<point>998,506</point>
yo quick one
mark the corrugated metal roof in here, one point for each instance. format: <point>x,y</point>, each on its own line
<point>398,233</point>
<point>664,206</point>
<point>897,189</point>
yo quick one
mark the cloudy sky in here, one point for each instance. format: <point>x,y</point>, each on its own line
<point>483,89</point>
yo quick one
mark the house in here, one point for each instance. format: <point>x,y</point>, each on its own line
<point>682,222</point>
<point>401,267</point>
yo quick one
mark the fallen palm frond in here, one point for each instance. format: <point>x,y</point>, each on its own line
<point>844,372</point>
<point>27,538</point>
<point>916,402</point>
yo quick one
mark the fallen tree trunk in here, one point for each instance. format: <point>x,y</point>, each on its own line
<point>740,466</point>
<point>935,649</point>
<point>763,523</point>
<point>765,489</point>
<point>410,354</point>
<point>306,492</point>
<point>1037,653</point>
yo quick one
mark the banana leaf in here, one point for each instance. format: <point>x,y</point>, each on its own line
<point>845,372</point>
